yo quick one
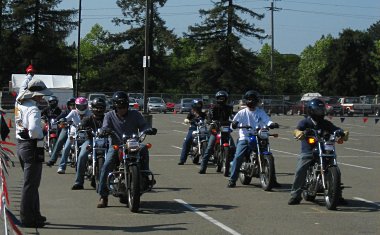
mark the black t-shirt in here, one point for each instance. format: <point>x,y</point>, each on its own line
<point>307,123</point>
<point>91,123</point>
<point>221,113</point>
<point>193,119</point>
<point>50,113</point>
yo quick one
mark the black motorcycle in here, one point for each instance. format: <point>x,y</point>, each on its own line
<point>200,141</point>
<point>129,181</point>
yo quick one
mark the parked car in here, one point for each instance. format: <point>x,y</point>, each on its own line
<point>184,105</point>
<point>272,106</point>
<point>156,104</point>
<point>139,97</point>
<point>133,104</point>
<point>238,105</point>
<point>333,106</point>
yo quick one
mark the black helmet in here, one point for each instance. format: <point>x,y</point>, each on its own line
<point>120,99</point>
<point>252,98</point>
<point>70,103</point>
<point>197,104</point>
<point>316,109</point>
<point>221,97</point>
<point>53,101</point>
<point>98,106</point>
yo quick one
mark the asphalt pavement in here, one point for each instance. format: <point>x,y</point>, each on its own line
<point>185,202</point>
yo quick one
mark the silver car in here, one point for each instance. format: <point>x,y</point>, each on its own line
<point>156,104</point>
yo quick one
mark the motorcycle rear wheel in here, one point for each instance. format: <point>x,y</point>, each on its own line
<point>307,194</point>
<point>133,188</point>
<point>332,190</point>
<point>267,175</point>
<point>244,177</point>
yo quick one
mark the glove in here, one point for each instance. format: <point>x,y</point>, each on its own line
<point>234,124</point>
<point>346,134</point>
<point>273,125</point>
<point>151,131</point>
<point>298,134</point>
<point>186,121</point>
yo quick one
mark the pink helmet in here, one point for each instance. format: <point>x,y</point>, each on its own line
<point>81,104</point>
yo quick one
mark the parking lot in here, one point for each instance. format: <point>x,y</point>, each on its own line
<point>184,202</point>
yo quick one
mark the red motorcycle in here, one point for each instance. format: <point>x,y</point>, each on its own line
<point>224,147</point>
<point>51,130</point>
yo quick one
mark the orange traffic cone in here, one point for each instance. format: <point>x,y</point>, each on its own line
<point>10,123</point>
<point>175,111</point>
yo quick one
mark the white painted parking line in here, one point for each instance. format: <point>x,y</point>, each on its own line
<point>284,138</point>
<point>294,154</point>
<point>363,167</point>
<point>205,216</point>
<point>176,147</point>
<point>185,132</point>
<point>180,123</point>
<point>361,150</point>
<point>365,200</point>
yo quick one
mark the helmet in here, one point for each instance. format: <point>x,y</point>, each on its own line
<point>98,106</point>
<point>53,101</point>
<point>316,109</point>
<point>81,104</point>
<point>70,102</point>
<point>120,99</point>
<point>221,97</point>
<point>30,69</point>
<point>197,104</point>
<point>252,98</point>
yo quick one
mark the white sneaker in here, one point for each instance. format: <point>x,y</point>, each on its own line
<point>61,171</point>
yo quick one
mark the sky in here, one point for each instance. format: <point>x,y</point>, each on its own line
<point>297,23</point>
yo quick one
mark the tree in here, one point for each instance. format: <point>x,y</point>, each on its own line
<point>349,71</point>
<point>227,60</point>
<point>164,40</point>
<point>374,31</point>
<point>313,62</point>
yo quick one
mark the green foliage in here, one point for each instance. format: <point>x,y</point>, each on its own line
<point>313,62</point>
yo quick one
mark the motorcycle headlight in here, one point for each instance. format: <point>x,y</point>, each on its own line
<point>263,134</point>
<point>133,145</point>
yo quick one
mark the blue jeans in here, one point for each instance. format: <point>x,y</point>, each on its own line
<point>209,151</point>
<point>111,161</point>
<point>65,154</point>
<point>58,145</point>
<point>304,161</point>
<point>81,164</point>
<point>242,150</point>
<point>187,144</point>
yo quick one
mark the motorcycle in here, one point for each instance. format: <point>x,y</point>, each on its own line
<point>259,163</point>
<point>77,139</point>
<point>222,148</point>
<point>96,158</point>
<point>51,130</point>
<point>200,141</point>
<point>128,181</point>
<point>323,176</point>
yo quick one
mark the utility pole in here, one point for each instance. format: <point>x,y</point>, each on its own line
<point>146,59</point>
<point>272,9</point>
<point>77,77</point>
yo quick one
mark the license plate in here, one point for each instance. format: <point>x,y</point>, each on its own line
<point>329,147</point>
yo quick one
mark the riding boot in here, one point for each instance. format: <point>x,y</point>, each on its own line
<point>103,202</point>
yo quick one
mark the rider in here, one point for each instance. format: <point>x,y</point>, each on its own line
<point>193,117</point>
<point>221,112</point>
<point>121,121</point>
<point>91,123</point>
<point>52,111</point>
<point>250,116</point>
<point>315,120</point>
<point>62,133</point>
<point>75,116</point>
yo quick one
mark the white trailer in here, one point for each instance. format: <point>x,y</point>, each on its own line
<point>60,85</point>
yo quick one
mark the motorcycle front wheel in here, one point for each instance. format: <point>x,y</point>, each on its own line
<point>218,158</point>
<point>226,162</point>
<point>267,175</point>
<point>98,168</point>
<point>332,190</point>
<point>51,145</point>
<point>133,188</point>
